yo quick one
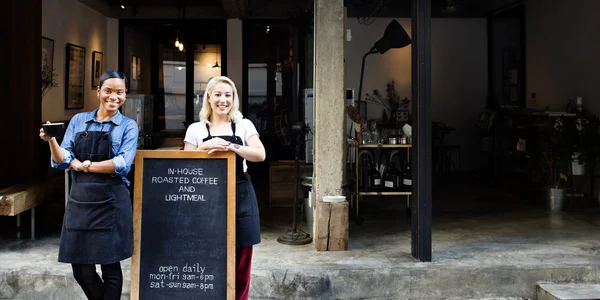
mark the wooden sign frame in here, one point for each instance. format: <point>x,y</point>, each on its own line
<point>138,201</point>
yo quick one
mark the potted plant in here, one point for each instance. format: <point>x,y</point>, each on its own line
<point>583,135</point>
<point>391,102</point>
<point>557,153</point>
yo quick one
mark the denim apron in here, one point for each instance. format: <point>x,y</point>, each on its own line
<point>97,226</point>
<point>247,221</point>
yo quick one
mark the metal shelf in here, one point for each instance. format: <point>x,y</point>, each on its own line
<point>384,146</point>
<point>385,193</point>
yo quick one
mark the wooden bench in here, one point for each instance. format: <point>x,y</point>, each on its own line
<point>20,198</point>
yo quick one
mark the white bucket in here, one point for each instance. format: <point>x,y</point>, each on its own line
<point>334,199</point>
<point>556,199</point>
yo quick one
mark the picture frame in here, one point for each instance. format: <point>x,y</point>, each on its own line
<point>134,70</point>
<point>74,76</point>
<point>48,57</point>
<point>139,68</point>
<point>97,67</point>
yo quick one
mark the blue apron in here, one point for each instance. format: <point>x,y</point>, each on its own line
<point>97,226</point>
<point>247,221</point>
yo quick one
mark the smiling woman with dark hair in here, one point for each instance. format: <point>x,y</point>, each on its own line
<point>98,148</point>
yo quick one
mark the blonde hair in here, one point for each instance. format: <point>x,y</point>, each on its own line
<point>234,113</point>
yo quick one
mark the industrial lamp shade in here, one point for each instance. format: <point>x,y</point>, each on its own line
<point>394,37</point>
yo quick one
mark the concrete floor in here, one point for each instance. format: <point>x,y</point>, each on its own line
<point>487,244</point>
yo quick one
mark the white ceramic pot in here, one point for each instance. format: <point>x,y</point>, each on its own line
<point>576,168</point>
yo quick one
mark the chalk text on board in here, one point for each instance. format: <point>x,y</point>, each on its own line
<point>185,171</point>
<point>185,180</point>
<point>184,197</point>
<point>168,277</point>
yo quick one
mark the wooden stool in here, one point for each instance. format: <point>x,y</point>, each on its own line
<point>331,226</point>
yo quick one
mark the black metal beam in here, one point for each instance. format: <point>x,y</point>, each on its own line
<point>421,126</point>
<point>231,9</point>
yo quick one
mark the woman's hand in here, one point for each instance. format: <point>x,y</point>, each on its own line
<point>229,147</point>
<point>43,135</point>
<point>214,143</point>
<point>76,165</point>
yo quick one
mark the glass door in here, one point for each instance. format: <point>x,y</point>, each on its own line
<point>173,66</point>
<point>207,64</point>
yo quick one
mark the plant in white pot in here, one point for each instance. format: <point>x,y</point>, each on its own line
<point>557,154</point>
<point>586,142</point>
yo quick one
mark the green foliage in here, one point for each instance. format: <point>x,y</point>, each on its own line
<point>568,136</point>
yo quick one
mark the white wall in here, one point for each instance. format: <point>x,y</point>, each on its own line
<point>562,52</point>
<point>459,73</point>
<point>69,21</point>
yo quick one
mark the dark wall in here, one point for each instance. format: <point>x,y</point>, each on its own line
<point>22,153</point>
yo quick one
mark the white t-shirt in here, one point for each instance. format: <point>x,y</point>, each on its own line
<point>197,132</point>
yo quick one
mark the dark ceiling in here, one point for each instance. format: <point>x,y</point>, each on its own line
<point>277,9</point>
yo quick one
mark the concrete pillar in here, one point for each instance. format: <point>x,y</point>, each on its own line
<point>329,86</point>
<point>235,68</point>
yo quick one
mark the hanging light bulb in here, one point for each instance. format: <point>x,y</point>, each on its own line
<point>177,42</point>
<point>180,47</point>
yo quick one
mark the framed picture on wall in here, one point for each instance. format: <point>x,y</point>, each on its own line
<point>138,66</point>
<point>97,67</point>
<point>74,77</point>
<point>134,71</point>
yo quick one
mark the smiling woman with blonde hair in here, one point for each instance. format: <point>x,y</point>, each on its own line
<point>206,111</point>
<point>222,127</point>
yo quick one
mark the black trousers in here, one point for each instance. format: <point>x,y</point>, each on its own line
<point>108,287</point>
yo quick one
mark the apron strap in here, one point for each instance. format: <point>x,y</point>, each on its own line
<point>87,127</point>
<point>208,130</point>
<point>112,126</point>
<point>233,129</point>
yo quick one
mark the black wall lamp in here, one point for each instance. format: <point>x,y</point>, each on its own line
<point>394,37</point>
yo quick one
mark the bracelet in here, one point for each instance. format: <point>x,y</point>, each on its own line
<point>86,164</point>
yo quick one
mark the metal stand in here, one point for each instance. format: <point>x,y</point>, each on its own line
<point>362,73</point>
<point>296,236</point>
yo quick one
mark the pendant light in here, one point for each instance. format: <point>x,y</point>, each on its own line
<point>216,66</point>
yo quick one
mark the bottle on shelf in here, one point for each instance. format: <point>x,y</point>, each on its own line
<point>366,136</point>
<point>364,179</point>
<point>374,133</point>
<point>392,179</point>
<point>407,177</point>
<point>365,161</point>
<point>374,179</point>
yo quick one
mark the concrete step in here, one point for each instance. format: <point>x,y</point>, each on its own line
<point>567,291</point>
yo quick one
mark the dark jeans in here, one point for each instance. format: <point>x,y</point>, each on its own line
<point>107,288</point>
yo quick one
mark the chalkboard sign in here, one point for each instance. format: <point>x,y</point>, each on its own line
<point>184,225</point>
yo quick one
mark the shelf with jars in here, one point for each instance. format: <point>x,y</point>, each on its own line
<point>382,166</point>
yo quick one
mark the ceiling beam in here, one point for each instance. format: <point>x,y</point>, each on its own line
<point>231,9</point>
<point>244,8</point>
<point>162,12</point>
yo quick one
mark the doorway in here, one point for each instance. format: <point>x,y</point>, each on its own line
<point>173,61</point>
<point>273,78</point>
<point>506,42</point>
